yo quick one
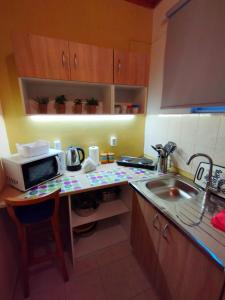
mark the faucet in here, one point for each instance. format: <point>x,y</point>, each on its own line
<point>209,188</point>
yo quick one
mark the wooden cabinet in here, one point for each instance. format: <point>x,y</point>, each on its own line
<point>85,71</point>
<point>90,63</point>
<point>145,234</point>
<point>41,57</point>
<point>181,271</point>
<point>131,68</point>
<point>48,58</point>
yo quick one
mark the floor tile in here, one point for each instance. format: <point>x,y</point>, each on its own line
<point>121,280</point>
<point>56,293</point>
<point>85,264</point>
<point>86,287</point>
<point>141,296</point>
<point>151,294</point>
<point>113,253</point>
<point>45,278</point>
<point>109,274</point>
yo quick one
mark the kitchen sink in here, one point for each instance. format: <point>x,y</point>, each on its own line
<point>172,189</point>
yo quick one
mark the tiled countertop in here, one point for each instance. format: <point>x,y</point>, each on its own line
<point>77,182</point>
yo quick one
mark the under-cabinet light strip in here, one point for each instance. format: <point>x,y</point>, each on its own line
<point>76,118</point>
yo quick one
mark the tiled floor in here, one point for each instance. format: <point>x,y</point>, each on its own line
<point>110,274</point>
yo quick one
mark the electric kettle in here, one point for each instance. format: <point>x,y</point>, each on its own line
<point>74,157</point>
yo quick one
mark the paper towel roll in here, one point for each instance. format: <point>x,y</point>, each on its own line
<point>94,154</point>
<point>57,145</point>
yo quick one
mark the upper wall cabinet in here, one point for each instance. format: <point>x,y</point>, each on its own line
<point>90,63</point>
<point>41,57</point>
<point>48,58</point>
<point>131,68</point>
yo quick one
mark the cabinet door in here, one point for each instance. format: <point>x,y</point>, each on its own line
<point>145,233</point>
<point>42,57</point>
<point>183,271</point>
<point>90,63</point>
<point>131,68</point>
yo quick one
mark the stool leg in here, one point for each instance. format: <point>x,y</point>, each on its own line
<point>59,250</point>
<point>24,258</point>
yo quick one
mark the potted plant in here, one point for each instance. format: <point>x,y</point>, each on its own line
<point>42,104</point>
<point>117,109</point>
<point>92,105</point>
<point>77,106</point>
<point>60,104</point>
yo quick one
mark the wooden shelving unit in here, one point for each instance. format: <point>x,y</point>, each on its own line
<point>108,95</point>
<point>104,211</point>
<point>125,95</point>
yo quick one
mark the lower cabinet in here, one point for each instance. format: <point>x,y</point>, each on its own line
<point>173,264</point>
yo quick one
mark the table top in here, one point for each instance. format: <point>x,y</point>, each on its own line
<point>104,176</point>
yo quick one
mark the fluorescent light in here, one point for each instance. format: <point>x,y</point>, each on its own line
<point>78,118</point>
<point>181,115</point>
<point>169,115</point>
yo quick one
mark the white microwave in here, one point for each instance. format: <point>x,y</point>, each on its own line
<point>25,173</point>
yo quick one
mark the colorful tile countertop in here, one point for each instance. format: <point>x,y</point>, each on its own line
<point>73,182</point>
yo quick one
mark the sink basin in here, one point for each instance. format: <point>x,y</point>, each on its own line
<point>172,189</point>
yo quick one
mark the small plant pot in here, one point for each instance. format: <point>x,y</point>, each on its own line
<point>91,109</point>
<point>60,108</point>
<point>78,108</point>
<point>42,108</point>
<point>117,109</point>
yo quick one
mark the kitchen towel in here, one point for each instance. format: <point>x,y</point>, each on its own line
<point>94,154</point>
<point>89,165</point>
<point>218,221</point>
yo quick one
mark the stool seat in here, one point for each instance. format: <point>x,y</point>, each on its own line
<point>35,213</point>
<point>25,213</point>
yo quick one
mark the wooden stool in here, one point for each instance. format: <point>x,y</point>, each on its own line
<point>27,212</point>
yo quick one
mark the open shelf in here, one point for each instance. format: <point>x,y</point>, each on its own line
<point>131,95</point>
<point>104,211</point>
<point>108,95</point>
<point>108,232</point>
<point>32,88</point>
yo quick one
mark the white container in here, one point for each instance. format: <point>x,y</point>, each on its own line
<point>39,147</point>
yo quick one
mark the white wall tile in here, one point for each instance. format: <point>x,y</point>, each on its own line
<point>208,130</point>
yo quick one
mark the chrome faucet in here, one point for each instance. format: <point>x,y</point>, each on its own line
<point>209,188</point>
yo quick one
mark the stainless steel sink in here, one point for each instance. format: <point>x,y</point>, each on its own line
<point>172,189</point>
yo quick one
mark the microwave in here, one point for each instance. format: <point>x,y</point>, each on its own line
<point>25,173</point>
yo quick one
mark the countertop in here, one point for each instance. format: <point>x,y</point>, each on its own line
<point>204,234</point>
<point>106,175</point>
<point>185,215</point>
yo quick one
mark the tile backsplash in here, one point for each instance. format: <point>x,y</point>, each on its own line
<point>193,133</point>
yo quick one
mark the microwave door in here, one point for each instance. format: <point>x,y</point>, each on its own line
<point>39,171</point>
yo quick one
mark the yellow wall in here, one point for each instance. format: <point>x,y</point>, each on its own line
<point>106,23</point>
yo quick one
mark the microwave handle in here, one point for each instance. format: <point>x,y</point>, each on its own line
<point>58,164</point>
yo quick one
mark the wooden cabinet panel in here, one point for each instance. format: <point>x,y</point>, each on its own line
<point>183,271</point>
<point>90,63</point>
<point>131,68</point>
<point>174,265</point>
<point>42,57</point>
<point>145,233</point>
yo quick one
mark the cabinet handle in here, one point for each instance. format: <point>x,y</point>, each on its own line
<point>75,60</point>
<point>119,65</point>
<point>155,218</point>
<point>164,231</point>
<point>63,59</point>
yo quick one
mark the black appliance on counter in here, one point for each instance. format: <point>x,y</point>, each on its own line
<point>136,162</point>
